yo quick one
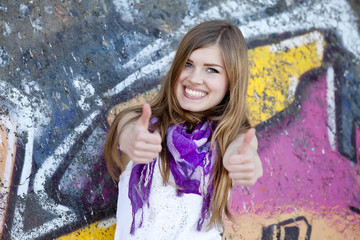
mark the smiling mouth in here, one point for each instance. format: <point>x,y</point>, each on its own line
<point>193,93</point>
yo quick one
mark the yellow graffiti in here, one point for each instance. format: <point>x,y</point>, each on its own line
<point>102,230</point>
<point>275,71</point>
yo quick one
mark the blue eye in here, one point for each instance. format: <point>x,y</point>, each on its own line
<point>212,70</point>
<point>188,65</point>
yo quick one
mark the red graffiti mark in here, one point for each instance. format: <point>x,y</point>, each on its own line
<point>59,13</point>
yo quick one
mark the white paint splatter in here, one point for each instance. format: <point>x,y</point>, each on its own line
<point>124,8</point>
<point>65,70</point>
<point>86,91</point>
<point>4,56</point>
<point>49,9</point>
<point>107,223</point>
<point>301,41</point>
<point>29,86</point>
<point>7,30</point>
<point>5,9</point>
<point>23,109</point>
<point>23,9</point>
<point>36,24</point>
<point>27,166</point>
<point>293,82</point>
<point>245,208</point>
<point>330,98</point>
<point>289,2</point>
<point>73,56</point>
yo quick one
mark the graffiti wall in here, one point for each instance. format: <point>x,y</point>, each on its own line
<point>67,67</point>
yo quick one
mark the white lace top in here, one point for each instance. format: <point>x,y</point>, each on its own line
<point>169,216</point>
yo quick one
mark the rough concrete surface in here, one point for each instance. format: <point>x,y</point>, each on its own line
<point>66,67</point>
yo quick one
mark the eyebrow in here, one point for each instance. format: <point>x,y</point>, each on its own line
<point>208,64</point>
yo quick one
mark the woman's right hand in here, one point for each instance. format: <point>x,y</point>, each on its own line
<point>137,142</point>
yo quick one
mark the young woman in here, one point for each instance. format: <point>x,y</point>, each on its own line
<point>180,155</point>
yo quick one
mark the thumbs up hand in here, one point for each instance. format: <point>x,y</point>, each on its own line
<point>137,142</point>
<point>242,161</point>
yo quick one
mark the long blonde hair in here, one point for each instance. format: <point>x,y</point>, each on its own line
<point>231,114</point>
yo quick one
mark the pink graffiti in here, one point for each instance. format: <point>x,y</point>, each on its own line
<point>301,170</point>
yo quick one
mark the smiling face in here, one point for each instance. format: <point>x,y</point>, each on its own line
<point>203,82</point>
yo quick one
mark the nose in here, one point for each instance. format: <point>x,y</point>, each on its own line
<point>196,77</point>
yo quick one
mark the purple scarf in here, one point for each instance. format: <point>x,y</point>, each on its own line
<point>191,160</point>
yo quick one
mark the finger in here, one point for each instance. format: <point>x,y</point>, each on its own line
<point>152,138</point>
<point>143,160</point>
<point>245,183</point>
<point>241,168</point>
<point>148,147</point>
<point>242,176</point>
<point>247,140</point>
<point>139,154</point>
<point>240,159</point>
<point>145,116</point>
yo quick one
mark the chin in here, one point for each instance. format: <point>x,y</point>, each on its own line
<point>193,108</point>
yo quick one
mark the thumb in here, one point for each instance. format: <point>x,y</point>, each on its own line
<point>145,116</point>
<point>247,140</point>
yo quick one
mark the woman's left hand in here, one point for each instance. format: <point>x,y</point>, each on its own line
<point>242,160</point>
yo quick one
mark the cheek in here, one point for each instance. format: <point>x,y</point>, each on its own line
<point>177,84</point>
<point>177,88</point>
<point>222,86</point>
<point>181,77</point>
<point>179,81</point>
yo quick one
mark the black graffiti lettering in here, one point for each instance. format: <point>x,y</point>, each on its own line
<point>288,230</point>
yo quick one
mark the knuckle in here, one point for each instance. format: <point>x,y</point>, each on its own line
<point>234,158</point>
<point>237,182</point>
<point>251,175</point>
<point>158,137</point>
<point>131,153</point>
<point>137,145</point>
<point>252,168</point>
<point>139,137</point>
<point>136,153</point>
<point>232,176</point>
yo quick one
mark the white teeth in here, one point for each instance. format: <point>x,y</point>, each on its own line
<point>194,93</point>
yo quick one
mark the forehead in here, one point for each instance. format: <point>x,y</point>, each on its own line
<point>211,54</point>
